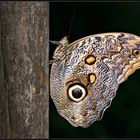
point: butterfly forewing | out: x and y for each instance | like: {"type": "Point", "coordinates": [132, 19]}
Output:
{"type": "Point", "coordinates": [85, 79]}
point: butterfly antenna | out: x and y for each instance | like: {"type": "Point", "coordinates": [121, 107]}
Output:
{"type": "Point", "coordinates": [71, 23]}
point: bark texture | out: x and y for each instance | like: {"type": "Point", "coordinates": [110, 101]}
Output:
{"type": "Point", "coordinates": [24, 49]}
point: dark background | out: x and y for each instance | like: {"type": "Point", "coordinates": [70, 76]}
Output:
{"type": "Point", "coordinates": [122, 119]}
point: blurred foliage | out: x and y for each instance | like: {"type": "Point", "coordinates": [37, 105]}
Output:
{"type": "Point", "coordinates": [122, 119]}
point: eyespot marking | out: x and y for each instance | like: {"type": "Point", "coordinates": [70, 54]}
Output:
{"type": "Point", "coordinates": [136, 52]}
{"type": "Point", "coordinates": [76, 92]}
{"type": "Point", "coordinates": [92, 78]}
{"type": "Point", "coordinates": [90, 60]}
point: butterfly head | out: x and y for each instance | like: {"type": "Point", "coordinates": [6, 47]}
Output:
{"type": "Point", "coordinates": [60, 50]}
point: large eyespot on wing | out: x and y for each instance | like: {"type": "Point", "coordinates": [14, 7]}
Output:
{"type": "Point", "coordinates": [76, 92]}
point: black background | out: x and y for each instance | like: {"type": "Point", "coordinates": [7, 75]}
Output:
{"type": "Point", "coordinates": [122, 119]}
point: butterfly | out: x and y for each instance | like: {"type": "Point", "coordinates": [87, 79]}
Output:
{"type": "Point", "coordinates": [86, 74]}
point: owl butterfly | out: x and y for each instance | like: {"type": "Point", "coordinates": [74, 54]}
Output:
{"type": "Point", "coordinates": [87, 73]}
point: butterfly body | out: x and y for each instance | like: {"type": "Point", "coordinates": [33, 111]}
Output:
{"type": "Point", "coordinates": [85, 79]}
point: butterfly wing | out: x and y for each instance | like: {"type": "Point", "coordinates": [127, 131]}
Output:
{"type": "Point", "coordinates": [84, 82]}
